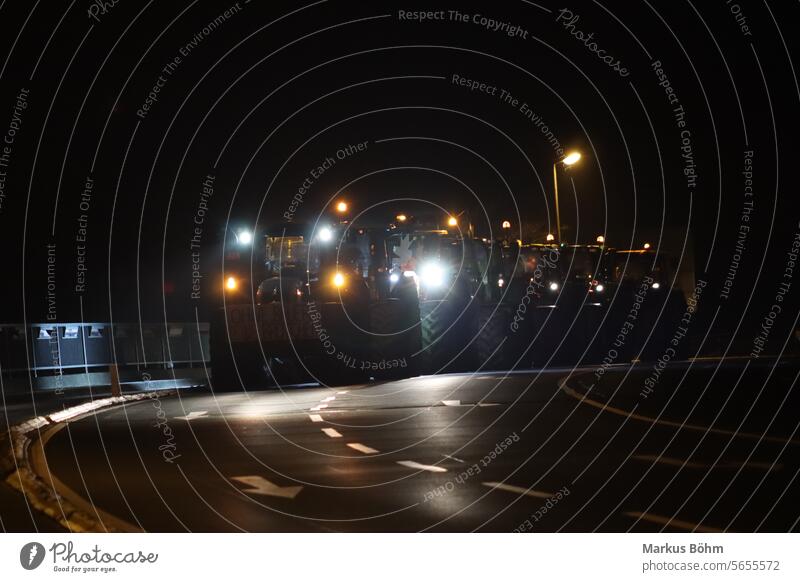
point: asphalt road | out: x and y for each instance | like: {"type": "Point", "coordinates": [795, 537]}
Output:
{"type": "Point", "coordinates": [708, 448]}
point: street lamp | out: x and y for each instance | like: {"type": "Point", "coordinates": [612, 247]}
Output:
{"type": "Point", "coordinates": [506, 225]}
{"type": "Point", "coordinates": [452, 221]}
{"type": "Point", "coordinates": [568, 160]}
{"type": "Point", "coordinates": [341, 207]}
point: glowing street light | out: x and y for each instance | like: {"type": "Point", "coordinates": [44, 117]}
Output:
{"type": "Point", "coordinates": [568, 160]}
{"type": "Point", "coordinates": [506, 224]}
{"type": "Point", "coordinates": [550, 238]}
{"type": "Point", "coordinates": [325, 234]}
{"type": "Point", "coordinates": [401, 218]}
{"type": "Point", "coordinates": [646, 246]}
{"type": "Point", "coordinates": [341, 207]}
{"type": "Point", "coordinates": [244, 237]}
{"type": "Point", "coordinates": [338, 280]}
{"type": "Point", "coordinates": [452, 221]}
{"type": "Point", "coordinates": [231, 283]}
{"type": "Point", "coordinates": [601, 239]}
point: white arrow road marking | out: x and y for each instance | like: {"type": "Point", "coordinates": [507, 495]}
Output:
{"type": "Point", "coordinates": [362, 448]}
{"type": "Point", "coordinates": [332, 432]}
{"type": "Point", "coordinates": [193, 415]}
{"type": "Point", "coordinates": [520, 490]}
{"type": "Point", "coordinates": [482, 404]}
{"type": "Point", "coordinates": [315, 417]}
{"type": "Point", "coordinates": [420, 466]}
{"type": "Point", "coordinates": [451, 402]}
{"type": "Point", "coordinates": [328, 399]}
{"type": "Point", "coordinates": [319, 407]}
{"type": "Point", "coordinates": [260, 486]}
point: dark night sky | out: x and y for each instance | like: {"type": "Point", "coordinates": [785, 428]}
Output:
{"type": "Point", "coordinates": [338, 73]}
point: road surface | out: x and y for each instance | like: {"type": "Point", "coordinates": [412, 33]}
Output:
{"type": "Point", "coordinates": [704, 447]}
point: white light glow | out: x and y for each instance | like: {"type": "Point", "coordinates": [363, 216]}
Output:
{"type": "Point", "coordinates": [432, 275]}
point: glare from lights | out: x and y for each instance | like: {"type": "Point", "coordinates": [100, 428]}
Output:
{"type": "Point", "coordinates": [401, 218]}
{"type": "Point", "coordinates": [601, 239]}
{"type": "Point", "coordinates": [341, 207]}
{"type": "Point", "coordinates": [409, 273]}
{"type": "Point", "coordinates": [571, 158]}
{"type": "Point", "coordinates": [231, 283]}
{"type": "Point", "coordinates": [394, 277]}
{"type": "Point", "coordinates": [553, 286]}
{"type": "Point", "coordinates": [646, 246]}
{"type": "Point", "coordinates": [245, 237]}
{"type": "Point", "coordinates": [550, 238]}
{"type": "Point", "coordinates": [599, 288]}
{"type": "Point", "coordinates": [338, 280]}
{"type": "Point", "coordinates": [656, 285]}
{"type": "Point", "coordinates": [506, 224]}
{"type": "Point", "coordinates": [452, 221]}
{"type": "Point", "coordinates": [325, 234]}
{"type": "Point", "coordinates": [432, 275]}
{"type": "Point", "coordinates": [500, 282]}
{"type": "Point", "coordinates": [298, 292]}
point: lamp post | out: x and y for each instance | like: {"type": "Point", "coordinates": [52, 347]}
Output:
{"type": "Point", "coordinates": [570, 159]}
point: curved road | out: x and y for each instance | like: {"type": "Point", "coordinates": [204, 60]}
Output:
{"type": "Point", "coordinates": [533, 451]}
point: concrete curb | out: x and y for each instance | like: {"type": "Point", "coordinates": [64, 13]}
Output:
{"type": "Point", "coordinates": [46, 493]}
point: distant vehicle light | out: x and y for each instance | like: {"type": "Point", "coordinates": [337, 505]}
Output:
{"type": "Point", "coordinates": [550, 238]}
{"type": "Point", "coordinates": [500, 282]}
{"type": "Point", "coordinates": [401, 218]}
{"type": "Point", "coordinates": [325, 234]}
{"type": "Point", "coordinates": [656, 285]}
{"type": "Point", "coordinates": [409, 273]}
{"type": "Point", "coordinates": [338, 280]}
{"type": "Point", "coordinates": [245, 237]}
{"type": "Point", "coordinates": [298, 292]}
{"type": "Point", "coordinates": [432, 275]}
{"type": "Point", "coordinates": [601, 239]}
{"type": "Point", "coordinates": [553, 286]}
{"type": "Point", "coordinates": [506, 224]}
{"type": "Point", "coordinates": [599, 288]}
{"type": "Point", "coordinates": [646, 246]}
{"type": "Point", "coordinates": [231, 283]}
{"type": "Point", "coordinates": [452, 221]}
{"type": "Point", "coordinates": [394, 277]}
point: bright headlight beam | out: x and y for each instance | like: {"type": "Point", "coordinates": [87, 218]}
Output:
{"type": "Point", "coordinates": [325, 234]}
{"type": "Point", "coordinates": [245, 237]}
{"type": "Point", "coordinates": [432, 275]}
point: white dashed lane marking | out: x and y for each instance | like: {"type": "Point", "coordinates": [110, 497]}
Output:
{"type": "Point", "coordinates": [315, 417]}
{"type": "Point", "coordinates": [362, 448]}
{"type": "Point", "coordinates": [319, 407]}
{"type": "Point", "coordinates": [193, 415]}
{"type": "Point", "coordinates": [518, 490]}
{"type": "Point", "coordinates": [332, 432]}
{"type": "Point", "coordinates": [421, 467]}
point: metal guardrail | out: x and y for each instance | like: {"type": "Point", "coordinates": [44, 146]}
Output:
{"type": "Point", "coordinates": [50, 347]}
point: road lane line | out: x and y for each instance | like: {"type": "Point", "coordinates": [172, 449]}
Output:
{"type": "Point", "coordinates": [328, 399]}
{"type": "Point", "coordinates": [695, 465]}
{"type": "Point", "coordinates": [519, 490]}
{"type": "Point", "coordinates": [420, 466]}
{"type": "Point", "coordinates": [332, 432]}
{"type": "Point", "coordinates": [695, 427]}
{"type": "Point", "coordinates": [362, 448]}
{"type": "Point", "coordinates": [677, 523]}
{"type": "Point", "coordinates": [315, 417]}
{"type": "Point", "coordinates": [318, 407]}
{"type": "Point", "coordinates": [192, 415]}
{"type": "Point", "coordinates": [343, 391]}
{"type": "Point", "coordinates": [456, 459]}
